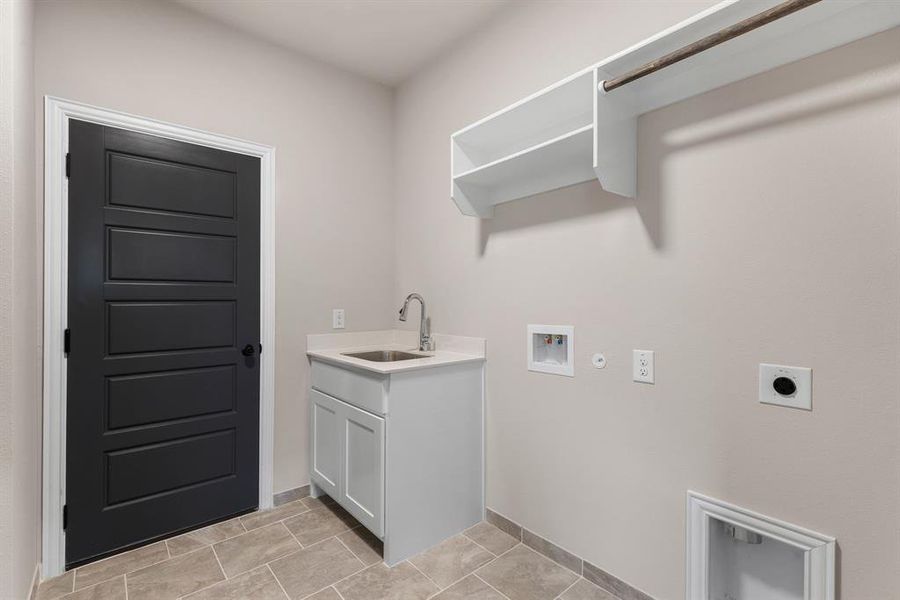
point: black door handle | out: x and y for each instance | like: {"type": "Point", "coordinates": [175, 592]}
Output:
{"type": "Point", "coordinates": [248, 350]}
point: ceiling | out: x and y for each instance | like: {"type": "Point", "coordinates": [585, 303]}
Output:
{"type": "Point", "coordinates": [385, 40]}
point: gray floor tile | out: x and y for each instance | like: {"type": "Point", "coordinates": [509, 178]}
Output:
{"type": "Point", "coordinates": [380, 582]}
{"type": "Point", "coordinates": [523, 574]}
{"type": "Point", "coordinates": [470, 588]}
{"type": "Point", "coordinates": [112, 589]}
{"type": "Point", "coordinates": [317, 525]}
{"type": "Point", "coordinates": [495, 540]}
{"type": "Point", "coordinates": [311, 569]}
{"type": "Point", "coordinates": [585, 590]}
{"type": "Point", "coordinates": [175, 577]}
{"type": "Point", "coordinates": [255, 548]}
{"type": "Point", "coordinates": [258, 584]}
{"type": "Point", "coordinates": [451, 560]}
{"type": "Point", "coordinates": [364, 545]}
{"type": "Point", "coordinates": [56, 586]}
{"type": "Point", "coordinates": [195, 540]}
{"type": "Point", "coordinates": [120, 564]}
{"type": "Point", "coordinates": [273, 515]}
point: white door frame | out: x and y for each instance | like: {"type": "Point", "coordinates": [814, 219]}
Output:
{"type": "Point", "coordinates": [57, 114]}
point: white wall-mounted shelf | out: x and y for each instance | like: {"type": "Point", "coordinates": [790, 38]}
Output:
{"type": "Point", "coordinates": [570, 132]}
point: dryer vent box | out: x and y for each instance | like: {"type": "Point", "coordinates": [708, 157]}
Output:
{"type": "Point", "coordinates": [744, 564]}
{"type": "Point", "coordinates": [551, 349]}
{"type": "Point", "coordinates": [737, 554]}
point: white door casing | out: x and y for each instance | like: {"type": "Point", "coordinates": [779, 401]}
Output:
{"type": "Point", "coordinates": [57, 114]}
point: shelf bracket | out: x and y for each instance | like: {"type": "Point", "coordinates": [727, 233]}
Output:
{"type": "Point", "coordinates": [615, 139]}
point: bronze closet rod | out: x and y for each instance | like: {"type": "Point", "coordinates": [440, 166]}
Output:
{"type": "Point", "coordinates": [749, 24]}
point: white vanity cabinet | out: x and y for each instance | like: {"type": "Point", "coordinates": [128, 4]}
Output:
{"type": "Point", "coordinates": [401, 451]}
{"type": "Point", "coordinates": [348, 458]}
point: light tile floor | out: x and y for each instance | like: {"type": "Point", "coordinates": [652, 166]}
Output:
{"type": "Point", "coordinates": [315, 550]}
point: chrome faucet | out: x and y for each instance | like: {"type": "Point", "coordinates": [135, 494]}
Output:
{"type": "Point", "coordinates": [425, 341]}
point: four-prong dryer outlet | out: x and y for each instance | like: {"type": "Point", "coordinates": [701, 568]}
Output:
{"type": "Point", "coordinates": [785, 386]}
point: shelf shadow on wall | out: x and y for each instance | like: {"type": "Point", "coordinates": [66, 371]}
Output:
{"type": "Point", "coordinates": [573, 202]}
{"type": "Point", "coordinates": [800, 91]}
{"type": "Point", "coordinates": [807, 89]}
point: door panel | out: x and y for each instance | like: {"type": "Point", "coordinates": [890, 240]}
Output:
{"type": "Point", "coordinates": [326, 445]}
{"type": "Point", "coordinates": [145, 183]}
{"type": "Point", "coordinates": [162, 407]}
{"type": "Point", "coordinates": [155, 397]}
{"type": "Point", "coordinates": [362, 488]}
{"type": "Point", "coordinates": [136, 473]}
{"type": "Point", "coordinates": [151, 327]}
{"type": "Point", "coordinates": [178, 256]}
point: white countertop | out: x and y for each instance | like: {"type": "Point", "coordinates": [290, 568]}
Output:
{"type": "Point", "coordinates": [449, 349]}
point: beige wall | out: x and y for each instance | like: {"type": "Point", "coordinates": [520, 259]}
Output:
{"type": "Point", "coordinates": [20, 401]}
{"type": "Point", "coordinates": [766, 230]}
{"type": "Point", "coordinates": [332, 131]}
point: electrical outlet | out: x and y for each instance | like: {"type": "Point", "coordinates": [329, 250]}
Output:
{"type": "Point", "coordinates": [643, 366]}
{"type": "Point", "coordinates": [337, 318]}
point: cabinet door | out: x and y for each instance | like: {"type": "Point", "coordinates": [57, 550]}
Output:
{"type": "Point", "coordinates": [362, 485]}
{"type": "Point", "coordinates": [325, 429]}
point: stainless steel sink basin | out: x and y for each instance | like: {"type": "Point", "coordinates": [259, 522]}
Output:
{"type": "Point", "coordinates": [384, 355]}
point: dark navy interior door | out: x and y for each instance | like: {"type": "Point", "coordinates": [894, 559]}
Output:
{"type": "Point", "coordinates": [163, 364]}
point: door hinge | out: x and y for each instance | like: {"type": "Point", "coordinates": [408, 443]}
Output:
{"type": "Point", "coordinates": [67, 342]}
{"type": "Point", "coordinates": [68, 164]}
{"type": "Point", "coordinates": [65, 516]}
{"type": "Point", "coordinates": [260, 349]}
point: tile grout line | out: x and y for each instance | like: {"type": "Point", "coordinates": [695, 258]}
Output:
{"type": "Point", "coordinates": [38, 595]}
{"type": "Point", "coordinates": [584, 561]}
{"type": "Point", "coordinates": [475, 572]}
{"type": "Point", "coordinates": [494, 554]}
{"type": "Point", "coordinates": [494, 557]}
{"type": "Point", "coordinates": [338, 592]}
{"type": "Point", "coordinates": [291, 516]}
{"type": "Point", "coordinates": [336, 582]}
{"type": "Point", "coordinates": [490, 586]}
{"type": "Point", "coordinates": [567, 589]}
{"type": "Point", "coordinates": [278, 581]}
{"type": "Point", "coordinates": [472, 572]}
{"type": "Point", "coordinates": [211, 546]}
{"type": "Point", "coordinates": [364, 567]}
{"type": "Point", "coordinates": [212, 584]}
{"type": "Point", "coordinates": [125, 575]}
{"type": "Point", "coordinates": [296, 539]}
{"type": "Point", "coordinates": [219, 562]}
{"type": "Point", "coordinates": [260, 564]}
{"type": "Point", "coordinates": [87, 587]}
{"type": "Point", "coordinates": [440, 589]}
{"type": "Point", "coordinates": [77, 569]}
{"type": "Point", "coordinates": [169, 556]}
{"type": "Point", "coordinates": [337, 537]}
